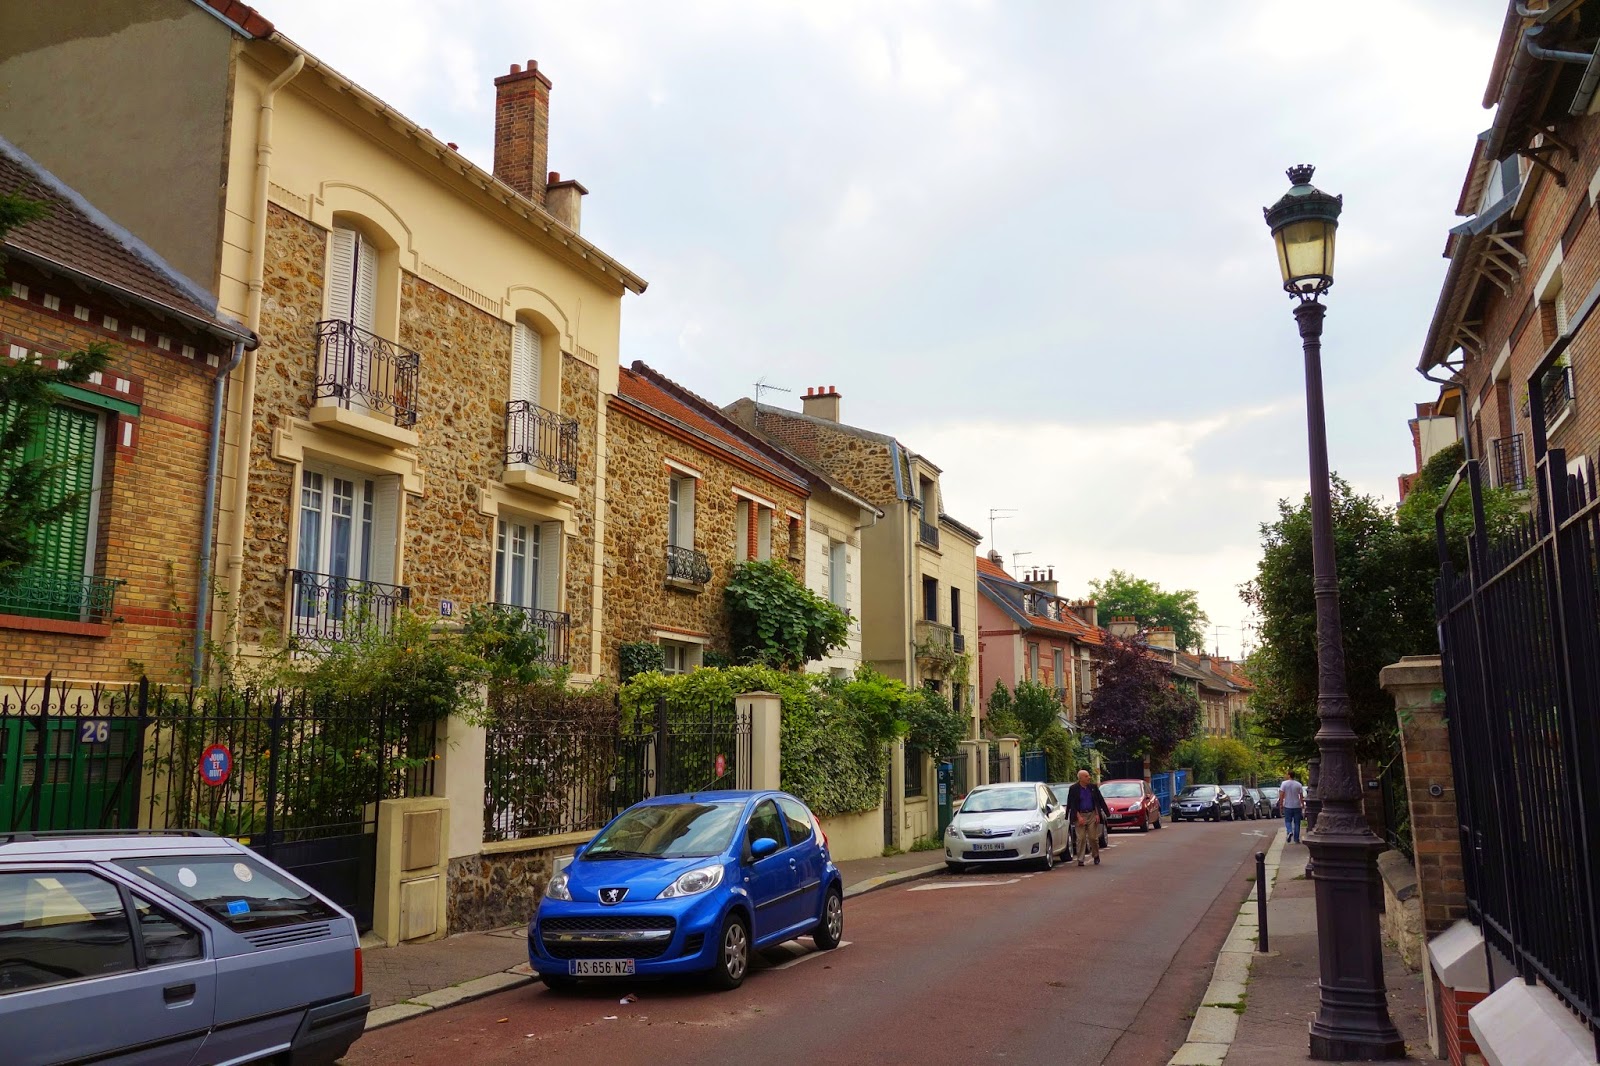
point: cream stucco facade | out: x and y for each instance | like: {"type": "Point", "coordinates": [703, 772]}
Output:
{"type": "Point", "coordinates": [834, 568]}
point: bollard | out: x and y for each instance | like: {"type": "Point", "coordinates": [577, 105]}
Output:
{"type": "Point", "coordinates": [1261, 902]}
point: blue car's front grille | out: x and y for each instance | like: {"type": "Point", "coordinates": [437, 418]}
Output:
{"type": "Point", "coordinates": [604, 928]}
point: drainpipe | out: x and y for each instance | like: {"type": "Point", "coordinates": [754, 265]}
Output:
{"type": "Point", "coordinates": [202, 613]}
{"type": "Point", "coordinates": [247, 378]}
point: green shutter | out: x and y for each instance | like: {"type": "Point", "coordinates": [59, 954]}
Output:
{"type": "Point", "coordinates": [52, 584]}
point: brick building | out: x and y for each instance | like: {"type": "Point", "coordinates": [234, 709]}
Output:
{"type": "Point", "coordinates": [1512, 322]}
{"type": "Point", "coordinates": [112, 587]}
{"type": "Point", "coordinates": [425, 421]}
{"type": "Point", "coordinates": [1026, 632]}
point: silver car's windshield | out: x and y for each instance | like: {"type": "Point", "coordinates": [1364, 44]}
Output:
{"type": "Point", "coordinates": [1000, 799]}
{"type": "Point", "coordinates": [668, 831]}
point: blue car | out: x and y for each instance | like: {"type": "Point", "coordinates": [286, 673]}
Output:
{"type": "Point", "coordinates": [689, 884]}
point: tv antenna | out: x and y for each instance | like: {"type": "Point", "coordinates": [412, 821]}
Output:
{"type": "Point", "coordinates": [762, 384]}
{"type": "Point", "coordinates": [1015, 564]}
{"type": "Point", "coordinates": [998, 514]}
{"type": "Point", "coordinates": [1216, 642]}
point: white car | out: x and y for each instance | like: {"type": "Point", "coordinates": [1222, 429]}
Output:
{"type": "Point", "coordinates": [1016, 822]}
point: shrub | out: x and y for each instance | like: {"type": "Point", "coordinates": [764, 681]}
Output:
{"type": "Point", "coordinates": [774, 619]}
{"type": "Point", "coordinates": [639, 657]}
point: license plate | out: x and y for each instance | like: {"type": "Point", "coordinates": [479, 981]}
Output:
{"type": "Point", "coordinates": [989, 847]}
{"type": "Point", "coordinates": [600, 967]}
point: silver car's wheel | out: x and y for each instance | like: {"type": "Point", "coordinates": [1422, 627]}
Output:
{"type": "Point", "coordinates": [1049, 859]}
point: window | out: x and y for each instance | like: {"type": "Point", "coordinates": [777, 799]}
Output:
{"type": "Point", "coordinates": [57, 583]}
{"type": "Point", "coordinates": [913, 770]}
{"type": "Point", "coordinates": [527, 352]}
{"type": "Point", "coordinates": [237, 890]}
{"type": "Point", "coordinates": [348, 523]}
{"type": "Point", "coordinates": [165, 939]}
{"type": "Point", "coordinates": [752, 530]}
{"type": "Point", "coordinates": [1033, 662]}
{"type": "Point", "coordinates": [958, 696]}
{"type": "Point", "coordinates": [680, 511]}
{"type": "Point", "coordinates": [352, 278]}
{"type": "Point", "coordinates": [796, 819]}
{"type": "Point", "coordinates": [765, 822]}
{"type": "Point", "coordinates": [680, 657]}
{"type": "Point", "coordinates": [955, 609]}
{"type": "Point", "coordinates": [795, 550]}
{"type": "Point", "coordinates": [930, 599]}
{"type": "Point", "coordinates": [58, 927]}
{"type": "Point", "coordinates": [527, 564]}
{"type": "Point", "coordinates": [839, 574]}
{"type": "Point", "coordinates": [1061, 670]}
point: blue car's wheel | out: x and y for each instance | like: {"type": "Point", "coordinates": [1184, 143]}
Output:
{"type": "Point", "coordinates": [830, 930]}
{"type": "Point", "coordinates": [733, 954]}
{"type": "Point", "coordinates": [557, 982]}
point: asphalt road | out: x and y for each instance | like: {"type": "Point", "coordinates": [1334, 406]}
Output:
{"type": "Point", "coordinates": [1081, 965]}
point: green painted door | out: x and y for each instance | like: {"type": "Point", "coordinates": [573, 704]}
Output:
{"type": "Point", "coordinates": [87, 779]}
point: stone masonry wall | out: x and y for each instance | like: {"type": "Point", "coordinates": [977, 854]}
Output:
{"type": "Point", "coordinates": [152, 490]}
{"type": "Point", "coordinates": [863, 465]}
{"type": "Point", "coordinates": [638, 599]}
{"type": "Point", "coordinates": [581, 399]}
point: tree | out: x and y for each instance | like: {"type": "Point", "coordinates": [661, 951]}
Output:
{"type": "Point", "coordinates": [774, 619]}
{"type": "Point", "coordinates": [30, 496]}
{"type": "Point", "coordinates": [1122, 595]}
{"type": "Point", "coordinates": [1136, 708]}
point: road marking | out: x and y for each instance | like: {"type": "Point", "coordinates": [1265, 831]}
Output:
{"type": "Point", "coordinates": [961, 884]}
{"type": "Point", "coordinates": [813, 953]}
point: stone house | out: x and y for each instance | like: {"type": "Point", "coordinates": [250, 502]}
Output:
{"type": "Point", "coordinates": [1027, 632]}
{"type": "Point", "coordinates": [114, 585]}
{"type": "Point", "coordinates": [424, 423]}
{"type": "Point", "coordinates": [1512, 321]}
{"type": "Point", "coordinates": [919, 572]}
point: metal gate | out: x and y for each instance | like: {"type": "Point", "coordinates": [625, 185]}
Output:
{"type": "Point", "coordinates": [1035, 766]}
{"type": "Point", "coordinates": [69, 757]}
{"type": "Point", "coordinates": [701, 749]}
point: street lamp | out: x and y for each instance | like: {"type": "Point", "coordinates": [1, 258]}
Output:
{"type": "Point", "coordinates": [1353, 1016]}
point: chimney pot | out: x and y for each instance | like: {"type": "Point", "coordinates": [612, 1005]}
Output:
{"type": "Point", "coordinates": [821, 403]}
{"type": "Point", "coordinates": [516, 68]}
{"type": "Point", "coordinates": [454, 147]}
{"type": "Point", "coordinates": [555, 176]}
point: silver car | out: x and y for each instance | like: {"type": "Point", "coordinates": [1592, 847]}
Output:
{"type": "Point", "coordinates": [169, 948]}
{"type": "Point", "coordinates": [1006, 823]}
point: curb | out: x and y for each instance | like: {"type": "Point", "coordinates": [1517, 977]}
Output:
{"type": "Point", "coordinates": [520, 975]}
{"type": "Point", "coordinates": [1216, 1020]}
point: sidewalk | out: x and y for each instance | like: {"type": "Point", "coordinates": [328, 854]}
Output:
{"type": "Point", "coordinates": [1258, 1007]}
{"type": "Point", "coordinates": [414, 979]}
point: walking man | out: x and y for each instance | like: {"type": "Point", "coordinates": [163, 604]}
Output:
{"type": "Point", "coordinates": [1292, 798]}
{"type": "Point", "coordinates": [1085, 806]}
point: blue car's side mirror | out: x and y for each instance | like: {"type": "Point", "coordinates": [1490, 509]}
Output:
{"type": "Point", "coordinates": [762, 847]}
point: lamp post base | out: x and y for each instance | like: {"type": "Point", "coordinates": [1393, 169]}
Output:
{"type": "Point", "coordinates": [1352, 1023]}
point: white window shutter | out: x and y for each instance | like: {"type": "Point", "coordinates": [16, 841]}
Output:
{"type": "Point", "coordinates": [763, 533]}
{"type": "Point", "coordinates": [550, 544]}
{"type": "Point", "coordinates": [385, 528]}
{"type": "Point", "coordinates": [365, 303]}
{"type": "Point", "coordinates": [741, 530]}
{"type": "Point", "coordinates": [526, 347]}
{"type": "Point", "coordinates": [1561, 313]}
{"type": "Point", "coordinates": [341, 275]}
{"type": "Point", "coordinates": [686, 513]}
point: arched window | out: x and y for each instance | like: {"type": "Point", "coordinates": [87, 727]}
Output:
{"type": "Point", "coordinates": [527, 359]}
{"type": "Point", "coordinates": [353, 278]}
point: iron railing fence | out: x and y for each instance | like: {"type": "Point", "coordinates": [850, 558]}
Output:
{"type": "Point", "coordinates": [1556, 393]}
{"type": "Point", "coordinates": [1520, 630]}
{"type": "Point", "coordinates": [558, 761]}
{"type": "Point", "coordinates": [363, 372]}
{"type": "Point", "coordinates": [1510, 467]}
{"type": "Point", "coordinates": [59, 594]}
{"type": "Point", "coordinates": [928, 533]}
{"type": "Point", "coordinates": [555, 628]}
{"type": "Point", "coordinates": [686, 564]}
{"type": "Point", "coordinates": [541, 438]}
{"type": "Point", "coordinates": [327, 608]}
{"type": "Point", "coordinates": [701, 749]}
{"type": "Point", "coordinates": [1396, 805]}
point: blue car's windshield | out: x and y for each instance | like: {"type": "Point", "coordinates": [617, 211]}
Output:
{"type": "Point", "coordinates": [668, 831]}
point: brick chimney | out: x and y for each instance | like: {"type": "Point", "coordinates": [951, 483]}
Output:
{"type": "Point", "coordinates": [1043, 580]}
{"type": "Point", "coordinates": [522, 130]}
{"type": "Point", "coordinates": [821, 402]}
{"type": "Point", "coordinates": [564, 200]}
{"type": "Point", "coordinates": [1125, 626]}
{"type": "Point", "coordinates": [1086, 611]}
{"type": "Point", "coordinates": [1163, 637]}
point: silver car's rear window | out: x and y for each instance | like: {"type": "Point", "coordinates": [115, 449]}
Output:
{"type": "Point", "coordinates": [235, 889]}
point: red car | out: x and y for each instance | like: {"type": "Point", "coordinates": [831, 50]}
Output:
{"type": "Point", "coordinates": [1132, 804]}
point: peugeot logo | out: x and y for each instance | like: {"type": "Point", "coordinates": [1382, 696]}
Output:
{"type": "Point", "coordinates": [612, 895]}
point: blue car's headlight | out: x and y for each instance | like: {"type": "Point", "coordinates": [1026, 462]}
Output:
{"type": "Point", "coordinates": [557, 887]}
{"type": "Point", "coordinates": [694, 882]}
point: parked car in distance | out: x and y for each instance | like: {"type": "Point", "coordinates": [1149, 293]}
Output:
{"type": "Point", "coordinates": [1133, 805]}
{"type": "Point", "coordinates": [169, 947]}
{"type": "Point", "coordinates": [1205, 802]}
{"type": "Point", "coordinates": [1243, 805]}
{"type": "Point", "coordinates": [1017, 821]}
{"type": "Point", "coordinates": [1259, 807]}
{"type": "Point", "coordinates": [1059, 790]}
{"type": "Point", "coordinates": [689, 884]}
{"type": "Point", "coordinates": [1269, 795]}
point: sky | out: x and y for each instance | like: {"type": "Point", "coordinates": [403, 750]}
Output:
{"type": "Point", "coordinates": [1023, 237]}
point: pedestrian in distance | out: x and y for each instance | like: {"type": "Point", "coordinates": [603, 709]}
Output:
{"type": "Point", "coordinates": [1085, 807]}
{"type": "Point", "coordinates": [1292, 798]}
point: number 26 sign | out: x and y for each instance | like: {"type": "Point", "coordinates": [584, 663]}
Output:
{"type": "Point", "coordinates": [94, 731]}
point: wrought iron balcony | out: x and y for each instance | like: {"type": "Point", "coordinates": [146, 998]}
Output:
{"type": "Point", "coordinates": [327, 608]}
{"type": "Point", "coordinates": [58, 594]}
{"type": "Point", "coordinates": [543, 439]}
{"type": "Point", "coordinates": [1557, 393]}
{"type": "Point", "coordinates": [363, 372]}
{"type": "Point", "coordinates": [928, 533]}
{"type": "Point", "coordinates": [959, 642]}
{"type": "Point", "coordinates": [687, 565]}
{"type": "Point", "coordinates": [1510, 472]}
{"type": "Point", "coordinates": [556, 626]}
